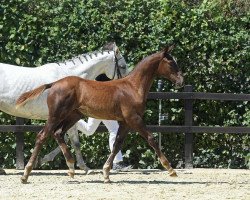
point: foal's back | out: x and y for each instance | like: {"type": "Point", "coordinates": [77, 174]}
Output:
{"type": "Point", "coordinates": [93, 98]}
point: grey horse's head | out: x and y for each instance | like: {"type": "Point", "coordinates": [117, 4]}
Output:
{"type": "Point", "coordinates": [121, 69]}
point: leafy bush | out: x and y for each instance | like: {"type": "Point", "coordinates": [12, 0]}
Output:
{"type": "Point", "coordinates": [212, 47]}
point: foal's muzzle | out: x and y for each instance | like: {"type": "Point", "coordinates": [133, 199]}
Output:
{"type": "Point", "coordinates": [179, 81]}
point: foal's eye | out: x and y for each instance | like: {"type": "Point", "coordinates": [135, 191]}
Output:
{"type": "Point", "coordinates": [165, 59]}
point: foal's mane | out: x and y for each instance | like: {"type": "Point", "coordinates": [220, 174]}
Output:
{"type": "Point", "coordinates": [147, 58]}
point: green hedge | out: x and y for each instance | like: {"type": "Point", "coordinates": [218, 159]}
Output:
{"type": "Point", "coordinates": [212, 47]}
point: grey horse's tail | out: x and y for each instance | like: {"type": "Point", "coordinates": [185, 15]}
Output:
{"type": "Point", "coordinates": [33, 94]}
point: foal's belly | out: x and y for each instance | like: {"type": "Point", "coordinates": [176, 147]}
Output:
{"type": "Point", "coordinates": [99, 114]}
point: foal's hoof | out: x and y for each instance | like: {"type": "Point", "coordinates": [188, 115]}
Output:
{"type": "Point", "coordinates": [107, 180]}
{"type": "Point", "coordinates": [173, 174]}
{"type": "Point", "coordinates": [71, 174]}
{"type": "Point", "coordinates": [23, 180]}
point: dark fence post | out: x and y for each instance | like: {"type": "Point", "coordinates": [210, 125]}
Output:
{"type": "Point", "coordinates": [188, 106]}
{"type": "Point", "coordinates": [19, 145]}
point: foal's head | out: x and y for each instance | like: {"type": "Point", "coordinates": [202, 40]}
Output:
{"type": "Point", "coordinates": [169, 69]}
{"type": "Point", "coordinates": [120, 69]}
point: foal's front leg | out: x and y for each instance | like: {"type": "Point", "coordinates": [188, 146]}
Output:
{"type": "Point", "coordinates": [137, 124]}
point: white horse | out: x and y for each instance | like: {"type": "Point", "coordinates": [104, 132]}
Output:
{"type": "Point", "coordinates": [16, 80]}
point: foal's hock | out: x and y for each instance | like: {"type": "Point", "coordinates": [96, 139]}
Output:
{"type": "Point", "coordinates": [124, 100]}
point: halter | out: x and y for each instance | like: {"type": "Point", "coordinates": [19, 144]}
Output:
{"type": "Point", "coordinates": [117, 68]}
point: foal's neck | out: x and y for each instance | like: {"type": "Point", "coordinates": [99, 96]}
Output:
{"type": "Point", "coordinates": [143, 75]}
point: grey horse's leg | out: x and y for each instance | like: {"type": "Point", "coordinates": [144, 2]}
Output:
{"type": "Point", "coordinates": [74, 139]}
{"type": "Point", "coordinates": [2, 172]}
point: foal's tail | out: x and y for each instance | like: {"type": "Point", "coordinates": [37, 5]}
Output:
{"type": "Point", "coordinates": [33, 94]}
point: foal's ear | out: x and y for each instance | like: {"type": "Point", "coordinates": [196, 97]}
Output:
{"type": "Point", "coordinates": [171, 48]}
{"type": "Point", "coordinates": [168, 49]}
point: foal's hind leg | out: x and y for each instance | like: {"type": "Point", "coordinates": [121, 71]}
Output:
{"type": "Point", "coordinates": [64, 126]}
{"type": "Point", "coordinates": [40, 139]}
{"type": "Point", "coordinates": [137, 124]}
{"type": "Point", "coordinates": [51, 156]}
{"type": "Point", "coordinates": [121, 135]}
{"type": "Point", "coordinates": [74, 139]}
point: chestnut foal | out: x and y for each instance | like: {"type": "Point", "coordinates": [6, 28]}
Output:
{"type": "Point", "coordinates": [123, 100]}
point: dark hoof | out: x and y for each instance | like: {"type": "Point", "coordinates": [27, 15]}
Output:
{"type": "Point", "coordinates": [2, 172]}
{"type": "Point", "coordinates": [107, 181]}
{"type": "Point", "coordinates": [23, 180]}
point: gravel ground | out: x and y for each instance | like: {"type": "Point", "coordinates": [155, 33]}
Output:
{"type": "Point", "coordinates": [203, 184]}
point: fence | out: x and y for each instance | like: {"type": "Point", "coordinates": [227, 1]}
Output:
{"type": "Point", "coordinates": [188, 96]}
